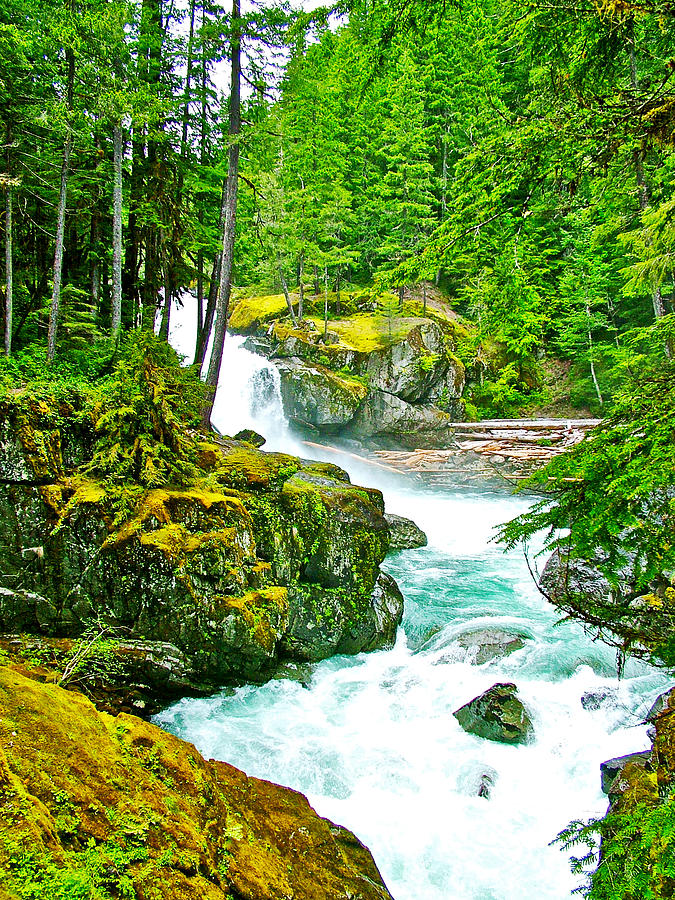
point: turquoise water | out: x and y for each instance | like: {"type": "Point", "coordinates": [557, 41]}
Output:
{"type": "Point", "coordinates": [372, 740]}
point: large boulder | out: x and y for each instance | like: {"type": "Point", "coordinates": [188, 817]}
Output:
{"type": "Point", "coordinates": [384, 413]}
{"type": "Point", "coordinates": [410, 368]}
{"type": "Point", "coordinates": [101, 803]}
{"type": "Point", "coordinates": [314, 395]}
{"type": "Point", "coordinates": [497, 715]}
{"type": "Point", "coordinates": [264, 556]}
{"type": "Point", "coordinates": [404, 534]}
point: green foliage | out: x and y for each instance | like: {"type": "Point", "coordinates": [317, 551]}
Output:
{"type": "Point", "coordinates": [92, 657]}
{"type": "Point", "coordinates": [610, 501]}
{"type": "Point", "coordinates": [148, 407]}
{"type": "Point", "coordinates": [638, 853]}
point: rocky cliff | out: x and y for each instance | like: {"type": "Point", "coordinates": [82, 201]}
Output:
{"type": "Point", "coordinates": [403, 383]}
{"type": "Point", "coordinates": [93, 806]}
{"type": "Point", "coordinates": [247, 559]}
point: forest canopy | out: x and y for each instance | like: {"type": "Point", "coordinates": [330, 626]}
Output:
{"type": "Point", "coordinates": [519, 158]}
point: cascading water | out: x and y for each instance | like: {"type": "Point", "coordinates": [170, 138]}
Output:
{"type": "Point", "coordinates": [372, 740]}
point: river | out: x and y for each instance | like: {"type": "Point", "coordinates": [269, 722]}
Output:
{"type": "Point", "coordinates": [371, 740]}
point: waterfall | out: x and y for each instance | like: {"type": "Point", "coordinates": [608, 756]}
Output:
{"type": "Point", "coordinates": [372, 740]}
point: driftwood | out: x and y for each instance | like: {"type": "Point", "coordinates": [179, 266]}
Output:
{"type": "Point", "coordinates": [509, 448]}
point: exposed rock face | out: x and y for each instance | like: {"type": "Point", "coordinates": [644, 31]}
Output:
{"type": "Point", "coordinates": [270, 557]}
{"type": "Point", "coordinates": [497, 715]}
{"type": "Point", "coordinates": [98, 801]}
{"type": "Point", "coordinates": [412, 367]}
{"type": "Point", "coordinates": [405, 535]}
{"type": "Point", "coordinates": [489, 643]}
{"type": "Point", "coordinates": [563, 577]}
{"type": "Point", "coordinates": [412, 385]}
{"type": "Point", "coordinates": [383, 413]}
{"type": "Point", "coordinates": [314, 395]}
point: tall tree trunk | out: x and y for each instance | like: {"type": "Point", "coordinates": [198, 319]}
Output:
{"type": "Point", "coordinates": [286, 292]}
{"type": "Point", "coordinates": [229, 230]}
{"type": "Point", "coordinates": [338, 298]}
{"type": "Point", "coordinates": [9, 272]}
{"type": "Point", "coordinates": [325, 302]}
{"type": "Point", "coordinates": [168, 297]}
{"type": "Point", "coordinates": [61, 215]}
{"type": "Point", "coordinates": [204, 336]}
{"type": "Point", "coordinates": [642, 186]}
{"type": "Point", "coordinates": [424, 298]}
{"type": "Point", "coordinates": [117, 231]}
{"type": "Point", "coordinates": [95, 269]}
{"type": "Point", "coordinates": [301, 286]}
{"type": "Point", "coordinates": [188, 82]}
{"type": "Point", "coordinates": [200, 212]}
{"type": "Point", "coordinates": [590, 355]}
{"type": "Point", "coordinates": [316, 281]}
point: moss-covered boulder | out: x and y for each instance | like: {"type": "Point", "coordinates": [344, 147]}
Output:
{"type": "Point", "coordinates": [497, 715]}
{"type": "Point", "coordinates": [96, 806]}
{"type": "Point", "coordinates": [259, 556]}
{"type": "Point", "coordinates": [314, 395]}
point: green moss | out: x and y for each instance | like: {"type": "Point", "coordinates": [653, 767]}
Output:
{"type": "Point", "coordinates": [93, 808]}
{"type": "Point", "coordinates": [251, 469]}
{"type": "Point", "coordinates": [250, 312]}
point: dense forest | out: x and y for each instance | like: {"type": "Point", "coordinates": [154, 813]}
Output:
{"type": "Point", "coordinates": [516, 159]}
{"type": "Point", "coordinates": [520, 157]}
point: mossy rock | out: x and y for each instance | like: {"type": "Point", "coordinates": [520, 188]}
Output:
{"type": "Point", "coordinates": [111, 805]}
{"type": "Point", "coordinates": [249, 313]}
{"type": "Point", "coordinates": [314, 395]}
{"type": "Point", "coordinates": [218, 568]}
{"type": "Point", "coordinates": [497, 715]}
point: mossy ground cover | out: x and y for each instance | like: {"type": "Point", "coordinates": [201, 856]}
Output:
{"type": "Point", "coordinates": [95, 807]}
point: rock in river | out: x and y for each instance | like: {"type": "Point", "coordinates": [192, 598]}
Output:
{"type": "Point", "coordinates": [497, 715]}
{"type": "Point", "coordinates": [405, 535]}
{"type": "Point", "coordinates": [489, 643]}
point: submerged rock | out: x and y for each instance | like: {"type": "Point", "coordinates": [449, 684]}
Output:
{"type": "Point", "coordinates": [405, 535]}
{"type": "Point", "coordinates": [477, 780]}
{"type": "Point", "coordinates": [488, 644]}
{"type": "Point", "coordinates": [594, 700]}
{"type": "Point", "coordinates": [95, 801]}
{"type": "Point", "coordinates": [497, 715]}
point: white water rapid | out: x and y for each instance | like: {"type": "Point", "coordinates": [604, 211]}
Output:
{"type": "Point", "coordinates": [372, 740]}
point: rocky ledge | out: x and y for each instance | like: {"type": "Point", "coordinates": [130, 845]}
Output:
{"type": "Point", "coordinates": [256, 558]}
{"type": "Point", "coordinates": [92, 805]}
{"type": "Point", "coordinates": [410, 383]}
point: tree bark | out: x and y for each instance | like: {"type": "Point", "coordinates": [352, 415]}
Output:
{"type": "Point", "coordinates": [643, 189]}
{"type": "Point", "coordinates": [58, 252]}
{"type": "Point", "coordinates": [9, 272]}
{"type": "Point", "coordinates": [117, 231]}
{"type": "Point", "coordinates": [325, 302]}
{"type": "Point", "coordinates": [61, 217]}
{"type": "Point", "coordinates": [229, 229]}
{"type": "Point", "coordinates": [204, 335]}
{"type": "Point", "coordinates": [286, 292]}
{"type": "Point", "coordinates": [301, 286]}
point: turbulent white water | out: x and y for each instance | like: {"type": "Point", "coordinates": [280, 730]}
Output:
{"type": "Point", "coordinates": [372, 740]}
